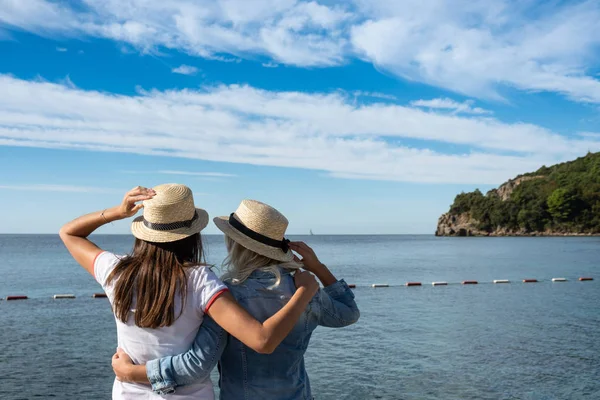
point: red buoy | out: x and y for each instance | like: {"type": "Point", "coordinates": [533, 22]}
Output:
{"type": "Point", "coordinates": [529, 280]}
{"type": "Point", "coordinates": [99, 295]}
{"type": "Point", "coordinates": [16, 297]}
{"type": "Point", "coordinates": [470, 282]}
{"type": "Point", "coordinates": [352, 286]}
{"type": "Point", "coordinates": [586, 279]}
{"type": "Point", "coordinates": [413, 283]}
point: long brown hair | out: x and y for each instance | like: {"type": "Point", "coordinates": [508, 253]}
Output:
{"type": "Point", "coordinates": [155, 273]}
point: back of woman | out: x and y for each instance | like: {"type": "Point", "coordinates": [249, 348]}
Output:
{"type": "Point", "coordinates": [144, 344]}
{"type": "Point", "coordinates": [259, 265]}
{"type": "Point", "coordinates": [280, 375]}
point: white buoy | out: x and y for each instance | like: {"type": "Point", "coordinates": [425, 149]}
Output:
{"type": "Point", "coordinates": [380, 285]}
{"type": "Point", "coordinates": [64, 296]}
{"type": "Point", "coordinates": [559, 279]}
{"type": "Point", "coordinates": [439, 283]}
{"type": "Point", "coordinates": [501, 281]}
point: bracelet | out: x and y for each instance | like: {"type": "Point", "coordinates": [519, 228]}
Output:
{"type": "Point", "coordinates": [104, 218]}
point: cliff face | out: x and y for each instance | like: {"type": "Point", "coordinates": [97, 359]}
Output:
{"type": "Point", "coordinates": [561, 200]}
{"type": "Point", "coordinates": [463, 224]}
{"type": "Point", "coordinates": [505, 190]}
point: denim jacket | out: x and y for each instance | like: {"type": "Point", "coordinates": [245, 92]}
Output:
{"type": "Point", "coordinates": [244, 373]}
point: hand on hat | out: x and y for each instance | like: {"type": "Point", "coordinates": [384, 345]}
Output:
{"type": "Point", "coordinates": [309, 258]}
{"type": "Point", "coordinates": [128, 207]}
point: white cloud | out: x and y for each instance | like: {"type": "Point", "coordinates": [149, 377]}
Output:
{"type": "Point", "coordinates": [242, 124]}
{"type": "Point", "coordinates": [185, 70]}
{"type": "Point", "coordinates": [58, 188]}
{"type": "Point", "coordinates": [465, 107]}
{"type": "Point", "coordinates": [289, 31]}
{"type": "Point", "coordinates": [191, 173]}
{"type": "Point", "coordinates": [375, 95]}
{"type": "Point", "coordinates": [270, 65]}
{"type": "Point", "coordinates": [61, 49]}
{"type": "Point", "coordinates": [473, 47]}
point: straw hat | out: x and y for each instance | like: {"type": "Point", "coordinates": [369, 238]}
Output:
{"type": "Point", "coordinates": [258, 227]}
{"type": "Point", "coordinates": [169, 216]}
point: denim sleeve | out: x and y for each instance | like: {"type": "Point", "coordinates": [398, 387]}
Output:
{"type": "Point", "coordinates": [335, 306]}
{"type": "Point", "coordinates": [166, 373]}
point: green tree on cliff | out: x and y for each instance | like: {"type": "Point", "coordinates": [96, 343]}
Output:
{"type": "Point", "coordinates": [564, 197]}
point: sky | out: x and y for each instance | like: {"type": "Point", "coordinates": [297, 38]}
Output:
{"type": "Point", "coordinates": [350, 117]}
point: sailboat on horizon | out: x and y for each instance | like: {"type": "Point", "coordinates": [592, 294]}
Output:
{"type": "Point", "coordinates": [311, 232]}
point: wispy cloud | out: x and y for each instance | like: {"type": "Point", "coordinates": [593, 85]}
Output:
{"type": "Point", "coordinates": [189, 173]}
{"type": "Point", "coordinates": [184, 173]}
{"type": "Point", "coordinates": [185, 70]}
{"type": "Point", "coordinates": [61, 49]}
{"type": "Point", "coordinates": [375, 95]}
{"type": "Point", "coordinates": [451, 105]}
{"type": "Point", "coordinates": [59, 188]}
{"type": "Point", "coordinates": [270, 64]}
{"type": "Point", "coordinates": [467, 46]}
{"type": "Point", "coordinates": [319, 131]}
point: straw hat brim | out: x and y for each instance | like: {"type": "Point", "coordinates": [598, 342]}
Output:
{"type": "Point", "coordinates": [260, 248]}
{"type": "Point", "coordinates": [141, 231]}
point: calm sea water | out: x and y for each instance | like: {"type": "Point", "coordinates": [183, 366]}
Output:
{"type": "Point", "coordinates": [486, 341]}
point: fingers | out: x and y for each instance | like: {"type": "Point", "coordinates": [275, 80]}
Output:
{"type": "Point", "coordinates": [137, 208]}
{"type": "Point", "coordinates": [296, 246]}
{"type": "Point", "coordinates": [141, 197]}
{"type": "Point", "coordinates": [299, 245]}
{"type": "Point", "coordinates": [301, 248]}
{"type": "Point", "coordinates": [140, 190]}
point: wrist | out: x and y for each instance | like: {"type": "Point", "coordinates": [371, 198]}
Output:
{"type": "Point", "coordinates": [316, 267]}
{"type": "Point", "coordinates": [304, 293]}
{"type": "Point", "coordinates": [130, 373]}
{"type": "Point", "coordinates": [112, 214]}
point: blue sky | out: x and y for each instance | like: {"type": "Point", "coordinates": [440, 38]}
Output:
{"type": "Point", "coordinates": [349, 117]}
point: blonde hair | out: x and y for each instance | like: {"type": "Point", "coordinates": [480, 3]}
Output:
{"type": "Point", "coordinates": [241, 262]}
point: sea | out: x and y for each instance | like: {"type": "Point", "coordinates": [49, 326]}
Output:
{"type": "Point", "coordinates": [485, 341]}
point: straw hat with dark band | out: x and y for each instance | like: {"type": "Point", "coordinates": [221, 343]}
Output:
{"type": "Point", "coordinates": [258, 227]}
{"type": "Point", "coordinates": [169, 216]}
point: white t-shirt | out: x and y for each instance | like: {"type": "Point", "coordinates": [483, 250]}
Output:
{"type": "Point", "coordinates": [144, 344]}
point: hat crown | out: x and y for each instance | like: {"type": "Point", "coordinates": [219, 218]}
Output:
{"type": "Point", "coordinates": [262, 218]}
{"type": "Point", "coordinates": [172, 203]}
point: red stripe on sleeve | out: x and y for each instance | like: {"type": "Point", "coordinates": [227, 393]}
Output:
{"type": "Point", "coordinates": [215, 297]}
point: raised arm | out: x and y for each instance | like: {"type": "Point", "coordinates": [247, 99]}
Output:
{"type": "Point", "coordinates": [334, 305]}
{"type": "Point", "coordinates": [74, 234]}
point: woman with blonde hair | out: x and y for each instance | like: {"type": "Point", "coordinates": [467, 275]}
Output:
{"type": "Point", "coordinates": [259, 268]}
{"type": "Point", "coordinates": [161, 292]}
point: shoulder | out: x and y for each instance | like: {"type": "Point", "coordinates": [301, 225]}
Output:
{"type": "Point", "coordinates": [200, 271]}
{"type": "Point", "coordinates": [202, 275]}
{"type": "Point", "coordinates": [104, 263]}
{"type": "Point", "coordinates": [205, 285]}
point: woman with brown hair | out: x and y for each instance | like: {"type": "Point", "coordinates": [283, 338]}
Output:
{"type": "Point", "coordinates": [162, 290]}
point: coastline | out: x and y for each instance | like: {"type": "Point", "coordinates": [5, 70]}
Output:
{"type": "Point", "coordinates": [519, 234]}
